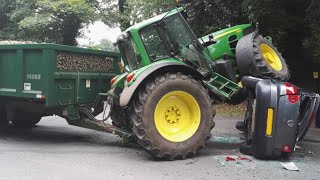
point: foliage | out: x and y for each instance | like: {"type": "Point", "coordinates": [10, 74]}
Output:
{"type": "Point", "coordinates": [105, 45]}
{"type": "Point", "coordinates": [57, 21]}
{"type": "Point", "coordinates": [293, 24]}
{"type": "Point", "coordinates": [128, 12]}
{"type": "Point", "coordinates": [7, 29]}
{"type": "Point", "coordinates": [312, 36]}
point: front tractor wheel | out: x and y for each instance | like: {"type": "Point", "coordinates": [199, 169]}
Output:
{"type": "Point", "coordinates": [269, 60]}
{"type": "Point", "coordinates": [257, 57]}
{"type": "Point", "coordinates": [172, 116]}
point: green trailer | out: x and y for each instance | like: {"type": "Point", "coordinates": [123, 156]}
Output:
{"type": "Point", "coordinates": [45, 79]}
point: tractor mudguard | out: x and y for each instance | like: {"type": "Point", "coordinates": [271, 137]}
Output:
{"type": "Point", "coordinates": [128, 91]}
{"type": "Point", "coordinates": [119, 81]}
{"type": "Point", "coordinates": [244, 51]}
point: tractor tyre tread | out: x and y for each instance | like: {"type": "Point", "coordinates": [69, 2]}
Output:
{"type": "Point", "coordinates": [264, 69]}
{"type": "Point", "coordinates": [139, 128]}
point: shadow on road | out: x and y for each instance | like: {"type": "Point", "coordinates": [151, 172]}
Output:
{"type": "Point", "coordinates": [65, 135]}
{"type": "Point", "coordinates": [61, 136]}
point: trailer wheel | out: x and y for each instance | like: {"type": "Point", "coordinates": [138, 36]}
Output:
{"type": "Point", "coordinates": [172, 116]}
{"type": "Point", "coordinates": [25, 119]}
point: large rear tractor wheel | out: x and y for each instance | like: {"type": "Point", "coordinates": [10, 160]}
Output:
{"type": "Point", "coordinates": [257, 57]}
{"type": "Point", "coordinates": [25, 119]}
{"type": "Point", "coordinates": [172, 116]}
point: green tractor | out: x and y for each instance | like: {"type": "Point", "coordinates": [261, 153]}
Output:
{"type": "Point", "coordinates": [172, 79]}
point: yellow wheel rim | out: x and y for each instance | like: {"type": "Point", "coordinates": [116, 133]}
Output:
{"type": "Point", "coordinates": [177, 116]}
{"type": "Point", "coordinates": [271, 57]}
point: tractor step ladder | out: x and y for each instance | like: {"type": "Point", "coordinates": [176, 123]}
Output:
{"type": "Point", "coordinates": [221, 85]}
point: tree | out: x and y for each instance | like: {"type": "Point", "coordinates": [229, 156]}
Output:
{"type": "Point", "coordinates": [128, 12]}
{"type": "Point", "coordinates": [7, 28]}
{"type": "Point", "coordinates": [105, 45]}
{"type": "Point", "coordinates": [57, 21]}
{"type": "Point", "coordinates": [312, 23]}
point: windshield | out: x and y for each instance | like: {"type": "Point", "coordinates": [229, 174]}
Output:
{"type": "Point", "coordinates": [156, 45]}
{"type": "Point", "coordinates": [172, 36]}
{"type": "Point", "coordinates": [178, 31]}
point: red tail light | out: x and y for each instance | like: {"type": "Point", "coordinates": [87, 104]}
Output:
{"type": "Point", "coordinates": [293, 98]}
{"type": "Point", "coordinates": [113, 80]}
{"type": "Point", "coordinates": [129, 77]}
{"type": "Point", "coordinates": [291, 89]}
{"type": "Point", "coordinates": [292, 92]}
{"type": "Point", "coordinates": [286, 148]}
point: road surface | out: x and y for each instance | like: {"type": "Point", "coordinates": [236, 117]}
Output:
{"type": "Point", "coordinates": [55, 150]}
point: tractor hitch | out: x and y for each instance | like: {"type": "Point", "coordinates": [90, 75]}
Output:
{"type": "Point", "coordinates": [100, 122]}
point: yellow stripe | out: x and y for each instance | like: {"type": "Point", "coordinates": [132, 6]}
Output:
{"type": "Point", "coordinates": [228, 32]}
{"type": "Point", "coordinates": [269, 122]}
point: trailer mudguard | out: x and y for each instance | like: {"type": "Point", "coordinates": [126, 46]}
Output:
{"type": "Point", "coordinates": [177, 66]}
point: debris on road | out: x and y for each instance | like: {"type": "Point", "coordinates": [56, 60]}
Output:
{"type": "Point", "coordinates": [222, 163]}
{"type": "Point", "coordinates": [238, 159]}
{"type": "Point", "coordinates": [290, 166]}
{"type": "Point", "coordinates": [227, 140]}
{"type": "Point", "coordinates": [229, 158]}
{"type": "Point", "coordinates": [310, 152]}
{"type": "Point", "coordinates": [244, 158]}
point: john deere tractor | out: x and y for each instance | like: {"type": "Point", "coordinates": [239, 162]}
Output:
{"type": "Point", "coordinates": [172, 80]}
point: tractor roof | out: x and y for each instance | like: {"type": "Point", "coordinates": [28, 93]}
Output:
{"type": "Point", "coordinates": [153, 20]}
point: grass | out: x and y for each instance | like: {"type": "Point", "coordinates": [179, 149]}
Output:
{"type": "Point", "coordinates": [231, 110]}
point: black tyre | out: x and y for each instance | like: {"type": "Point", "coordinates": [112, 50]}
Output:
{"type": "Point", "coordinates": [257, 57]}
{"type": "Point", "coordinates": [172, 116]}
{"type": "Point", "coordinates": [25, 119]}
{"type": "Point", "coordinates": [120, 118]}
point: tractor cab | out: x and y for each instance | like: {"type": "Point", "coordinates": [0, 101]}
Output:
{"type": "Point", "coordinates": [162, 37]}
{"type": "Point", "coordinates": [168, 38]}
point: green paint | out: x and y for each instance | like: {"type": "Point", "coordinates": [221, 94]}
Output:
{"type": "Point", "coordinates": [170, 30]}
{"type": "Point", "coordinates": [139, 71]}
{"type": "Point", "coordinates": [120, 80]}
{"type": "Point", "coordinates": [222, 46]}
{"type": "Point", "coordinates": [30, 71]}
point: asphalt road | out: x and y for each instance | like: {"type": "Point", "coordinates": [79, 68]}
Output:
{"type": "Point", "coordinates": [55, 150]}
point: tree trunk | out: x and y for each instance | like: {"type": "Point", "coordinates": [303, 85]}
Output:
{"type": "Point", "coordinates": [71, 31]}
{"type": "Point", "coordinates": [124, 22]}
